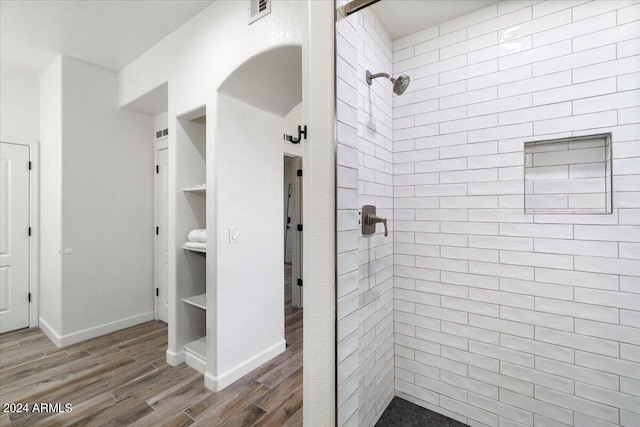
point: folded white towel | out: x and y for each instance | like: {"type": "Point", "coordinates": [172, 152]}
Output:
{"type": "Point", "coordinates": [199, 235]}
{"type": "Point", "coordinates": [196, 245]}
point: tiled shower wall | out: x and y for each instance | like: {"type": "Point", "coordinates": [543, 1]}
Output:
{"type": "Point", "coordinates": [365, 264]}
{"type": "Point", "coordinates": [505, 318]}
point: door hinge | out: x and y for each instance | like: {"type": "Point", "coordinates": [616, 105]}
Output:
{"type": "Point", "coordinates": [299, 282]}
{"type": "Point", "coordinates": [157, 168]}
{"type": "Point", "coordinates": [29, 164]}
{"type": "Point", "coordinates": [157, 231]}
{"type": "Point", "coordinates": [299, 172]}
{"type": "Point", "coordinates": [157, 292]}
{"type": "Point", "coordinates": [29, 296]}
{"type": "Point", "coordinates": [29, 231]}
{"type": "Point", "coordinates": [299, 227]}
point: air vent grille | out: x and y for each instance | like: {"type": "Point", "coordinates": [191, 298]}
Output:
{"type": "Point", "coordinates": [259, 9]}
{"type": "Point", "coordinates": [162, 133]}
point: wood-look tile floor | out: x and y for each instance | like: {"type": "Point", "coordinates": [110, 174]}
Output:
{"type": "Point", "coordinates": [121, 379]}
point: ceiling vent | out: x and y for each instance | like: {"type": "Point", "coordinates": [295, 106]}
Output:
{"type": "Point", "coordinates": [259, 9]}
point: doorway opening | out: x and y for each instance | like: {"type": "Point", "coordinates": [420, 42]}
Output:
{"type": "Point", "coordinates": [161, 158]}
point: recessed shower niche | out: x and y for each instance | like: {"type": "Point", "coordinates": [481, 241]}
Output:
{"type": "Point", "coordinates": [568, 175]}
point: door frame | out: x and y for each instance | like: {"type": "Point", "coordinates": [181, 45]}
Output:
{"type": "Point", "coordinates": [297, 238]}
{"type": "Point", "coordinates": [158, 144]}
{"type": "Point", "coordinates": [34, 223]}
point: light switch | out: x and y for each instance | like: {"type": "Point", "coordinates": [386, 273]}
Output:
{"type": "Point", "coordinates": [233, 234]}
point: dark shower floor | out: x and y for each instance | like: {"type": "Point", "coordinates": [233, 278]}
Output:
{"type": "Point", "coordinates": [401, 413]}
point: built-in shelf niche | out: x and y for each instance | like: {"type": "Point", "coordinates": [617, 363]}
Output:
{"type": "Point", "coordinates": [568, 175]}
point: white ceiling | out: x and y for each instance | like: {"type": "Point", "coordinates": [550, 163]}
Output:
{"type": "Point", "coordinates": [106, 33]}
{"type": "Point", "coordinates": [404, 17]}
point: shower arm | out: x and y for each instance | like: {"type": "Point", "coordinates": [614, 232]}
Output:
{"type": "Point", "coordinates": [370, 77]}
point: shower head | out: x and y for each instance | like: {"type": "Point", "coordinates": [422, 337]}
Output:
{"type": "Point", "coordinates": [400, 84]}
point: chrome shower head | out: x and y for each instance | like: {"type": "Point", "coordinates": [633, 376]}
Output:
{"type": "Point", "coordinates": [400, 84]}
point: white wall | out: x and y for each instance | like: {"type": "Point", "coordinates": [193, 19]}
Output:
{"type": "Point", "coordinates": [97, 204]}
{"type": "Point", "coordinates": [501, 317]}
{"type": "Point", "coordinates": [51, 197]}
{"type": "Point", "coordinates": [365, 263]}
{"type": "Point", "coordinates": [107, 214]}
{"type": "Point", "coordinates": [191, 61]}
{"type": "Point", "coordinates": [250, 283]}
{"type": "Point", "coordinates": [19, 107]}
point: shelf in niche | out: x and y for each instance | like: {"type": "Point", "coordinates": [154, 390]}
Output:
{"type": "Point", "coordinates": [196, 190]}
{"type": "Point", "coordinates": [199, 301]}
{"type": "Point", "coordinates": [202, 251]}
{"type": "Point", "coordinates": [195, 354]}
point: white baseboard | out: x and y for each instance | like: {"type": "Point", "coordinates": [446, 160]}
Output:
{"type": "Point", "coordinates": [217, 383]}
{"type": "Point", "coordinates": [195, 361]}
{"type": "Point", "coordinates": [85, 334]}
{"type": "Point", "coordinates": [175, 358]}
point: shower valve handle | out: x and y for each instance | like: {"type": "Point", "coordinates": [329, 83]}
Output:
{"type": "Point", "coordinates": [372, 219]}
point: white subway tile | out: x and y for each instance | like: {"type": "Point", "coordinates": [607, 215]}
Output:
{"type": "Point", "coordinates": [441, 363]}
{"type": "Point", "coordinates": [576, 91]}
{"type": "Point", "coordinates": [468, 150]}
{"type": "Point", "coordinates": [630, 318]}
{"type": "Point", "coordinates": [473, 70]}
{"type": "Point", "coordinates": [412, 62]}
{"type": "Point", "coordinates": [537, 318]}
{"type": "Point", "coordinates": [537, 348]}
{"type": "Point", "coordinates": [607, 102]}
{"type": "Point", "coordinates": [628, 48]}
{"type": "Point", "coordinates": [417, 108]}
{"type": "Point", "coordinates": [607, 69]}
{"type": "Point", "coordinates": [630, 250]}
{"type": "Point", "coordinates": [495, 160]}
{"type": "Point", "coordinates": [585, 121]}
{"type": "Point", "coordinates": [413, 320]}
{"type": "Point", "coordinates": [583, 311]}
{"type": "Point", "coordinates": [442, 264]}
{"type": "Point", "coordinates": [500, 105]}
{"type": "Point", "coordinates": [501, 77]}
{"type": "Point", "coordinates": [608, 36]}
{"type": "Point", "coordinates": [441, 239]}
{"type": "Point", "coordinates": [501, 270]}
{"type": "Point", "coordinates": [495, 188]}
{"type": "Point", "coordinates": [501, 381]}
{"type": "Point", "coordinates": [499, 22]}
{"type": "Point", "coordinates": [548, 7]}
{"type": "Point", "coordinates": [576, 247]}
{"type": "Point", "coordinates": [471, 359]}
{"type": "Point", "coordinates": [502, 298]}
{"type": "Point", "coordinates": [469, 19]}
{"type": "Point", "coordinates": [575, 60]}
{"type": "Point", "coordinates": [498, 50]}
{"type": "Point", "coordinates": [597, 8]}
{"type": "Point", "coordinates": [441, 66]}
{"type": "Point", "coordinates": [440, 387]}
{"type": "Point", "coordinates": [577, 278]}
{"type": "Point", "coordinates": [610, 397]}
{"type": "Point", "coordinates": [469, 45]}
{"type": "Point", "coordinates": [577, 404]}
{"type": "Point", "coordinates": [480, 175]}
{"type": "Point", "coordinates": [628, 14]}
{"type": "Point", "coordinates": [469, 254]}
{"type": "Point", "coordinates": [608, 331]}
{"type": "Point", "coordinates": [441, 338]}
{"type": "Point", "coordinates": [536, 377]}
{"type": "Point", "coordinates": [607, 265]}
{"type": "Point", "coordinates": [629, 115]}
{"type": "Point", "coordinates": [608, 364]}
{"type": "Point", "coordinates": [543, 112]}
{"type": "Point", "coordinates": [535, 55]}
{"type": "Point", "coordinates": [510, 243]}
{"type": "Point", "coordinates": [487, 228]}
{"type": "Point", "coordinates": [440, 42]}
{"type": "Point", "coordinates": [414, 390]}
{"type": "Point", "coordinates": [472, 412]}
{"type": "Point", "coordinates": [584, 374]}
{"type": "Point", "coordinates": [471, 280]}
{"type": "Point", "coordinates": [477, 334]}
{"type": "Point", "coordinates": [575, 29]}
{"type": "Point", "coordinates": [469, 384]}
{"type": "Point", "coordinates": [578, 342]}
{"type": "Point", "coordinates": [558, 231]}
{"type": "Point", "coordinates": [415, 132]}
{"type": "Point", "coordinates": [441, 116]}
{"type": "Point", "coordinates": [536, 288]}
{"type": "Point", "coordinates": [608, 298]}
{"type": "Point", "coordinates": [534, 405]}
{"type": "Point", "coordinates": [630, 352]}
{"type": "Point", "coordinates": [442, 140]}
{"type": "Point", "coordinates": [534, 84]}
{"type": "Point", "coordinates": [415, 38]}
{"type": "Point", "coordinates": [500, 325]}
{"type": "Point", "coordinates": [470, 306]}
{"type": "Point", "coordinates": [471, 97]}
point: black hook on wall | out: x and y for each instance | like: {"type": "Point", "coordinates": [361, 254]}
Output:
{"type": "Point", "coordinates": [301, 133]}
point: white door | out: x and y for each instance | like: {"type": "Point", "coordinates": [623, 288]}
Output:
{"type": "Point", "coordinates": [14, 237]}
{"type": "Point", "coordinates": [288, 244]}
{"type": "Point", "coordinates": [162, 235]}
{"type": "Point", "coordinates": [296, 291]}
